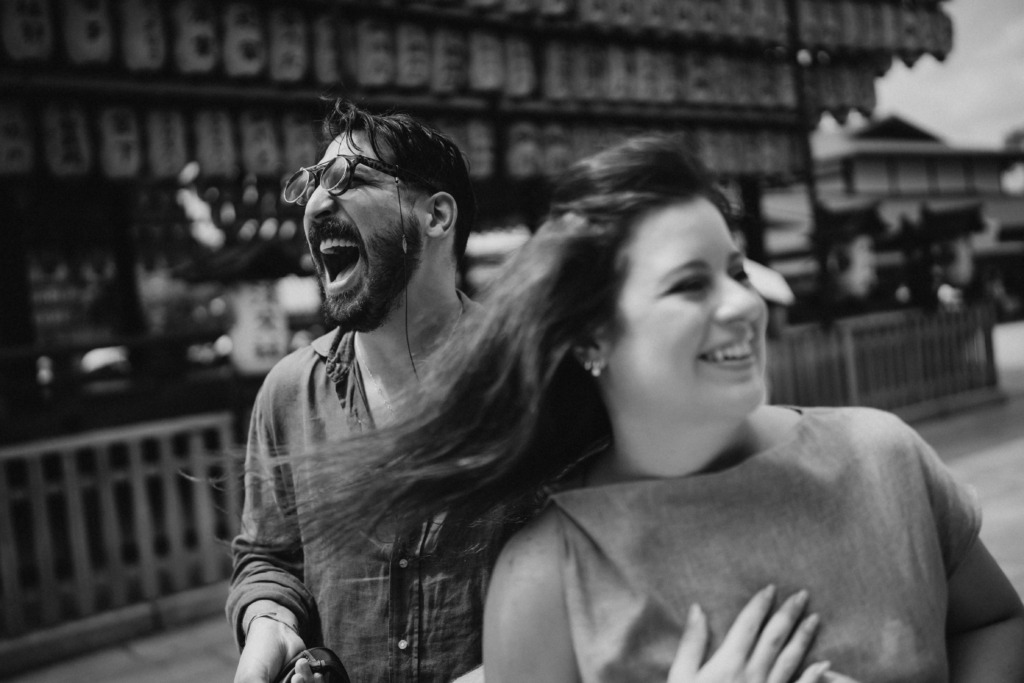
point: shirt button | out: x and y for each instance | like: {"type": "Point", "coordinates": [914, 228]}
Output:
{"type": "Point", "coordinates": [403, 563]}
{"type": "Point", "coordinates": [402, 644]}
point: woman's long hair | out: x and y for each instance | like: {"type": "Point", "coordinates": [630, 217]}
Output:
{"type": "Point", "coordinates": [505, 407]}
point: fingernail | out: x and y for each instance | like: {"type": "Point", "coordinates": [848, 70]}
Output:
{"type": "Point", "coordinates": [768, 590]}
{"type": "Point", "coordinates": [696, 613]}
{"type": "Point", "coordinates": [822, 667]}
{"type": "Point", "coordinates": [811, 622]}
{"type": "Point", "coordinates": [801, 597]}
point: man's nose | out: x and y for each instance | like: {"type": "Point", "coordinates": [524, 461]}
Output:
{"type": "Point", "coordinates": [321, 202]}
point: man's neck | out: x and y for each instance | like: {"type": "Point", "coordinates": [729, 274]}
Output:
{"type": "Point", "coordinates": [410, 335]}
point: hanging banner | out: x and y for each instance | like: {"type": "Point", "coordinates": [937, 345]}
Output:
{"type": "Point", "coordinates": [682, 18]}
{"type": "Point", "coordinates": [120, 143]}
{"type": "Point", "coordinates": [259, 333]}
{"type": "Point", "coordinates": [589, 71]}
{"type": "Point", "coordinates": [143, 35]}
{"type": "Point", "coordinates": [620, 74]}
{"type": "Point", "coordinates": [449, 61]}
{"type": "Point", "coordinates": [412, 43]}
{"type": "Point", "coordinates": [327, 55]}
{"type": "Point", "coordinates": [481, 140]}
{"type": "Point", "coordinates": [556, 8]}
{"type": "Point", "coordinates": [88, 33]}
{"type": "Point", "coordinates": [519, 7]}
{"type": "Point", "coordinates": [299, 136]}
{"type": "Point", "coordinates": [289, 56]}
{"type": "Point", "coordinates": [646, 76]}
{"type": "Point", "coordinates": [593, 12]}
{"type": "Point", "coordinates": [17, 155]}
{"type": "Point", "coordinates": [27, 30]}
{"type": "Point", "coordinates": [486, 61]}
{"type": "Point", "coordinates": [665, 77]}
{"type": "Point", "coordinates": [196, 49]}
{"type": "Point", "coordinates": [376, 53]}
{"type": "Point", "coordinates": [245, 44]}
{"type": "Point", "coordinates": [556, 150]}
{"type": "Point", "coordinates": [622, 13]}
{"type": "Point", "coordinates": [521, 70]}
{"type": "Point", "coordinates": [523, 158]}
{"type": "Point", "coordinates": [557, 71]}
{"type": "Point", "coordinates": [653, 14]}
{"type": "Point", "coordinates": [261, 150]}
{"type": "Point", "coordinates": [215, 144]}
{"type": "Point", "coordinates": [167, 149]}
{"type": "Point", "coordinates": [66, 135]}
{"type": "Point", "coordinates": [710, 17]}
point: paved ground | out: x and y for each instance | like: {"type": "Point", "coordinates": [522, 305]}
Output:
{"type": "Point", "coordinates": [985, 447]}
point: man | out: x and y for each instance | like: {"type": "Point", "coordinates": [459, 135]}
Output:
{"type": "Point", "coordinates": [388, 212]}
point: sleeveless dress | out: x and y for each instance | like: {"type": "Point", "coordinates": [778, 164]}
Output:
{"type": "Point", "coordinates": [854, 506]}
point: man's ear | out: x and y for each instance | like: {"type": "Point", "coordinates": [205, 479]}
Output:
{"type": "Point", "coordinates": [442, 212]}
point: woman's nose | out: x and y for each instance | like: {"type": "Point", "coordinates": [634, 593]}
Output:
{"type": "Point", "coordinates": [740, 301]}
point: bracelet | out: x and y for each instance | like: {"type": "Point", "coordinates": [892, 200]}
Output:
{"type": "Point", "coordinates": [273, 617]}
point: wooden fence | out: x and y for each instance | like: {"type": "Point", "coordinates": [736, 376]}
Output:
{"type": "Point", "coordinates": [103, 520]}
{"type": "Point", "coordinates": [910, 362]}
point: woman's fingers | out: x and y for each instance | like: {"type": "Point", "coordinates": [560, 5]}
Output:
{"type": "Point", "coordinates": [814, 673]}
{"type": "Point", "coordinates": [692, 647]}
{"type": "Point", "coordinates": [743, 633]}
{"type": "Point", "coordinates": [789, 658]}
{"type": "Point", "coordinates": [775, 635]}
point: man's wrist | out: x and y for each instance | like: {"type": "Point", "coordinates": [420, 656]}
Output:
{"type": "Point", "coordinates": [270, 611]}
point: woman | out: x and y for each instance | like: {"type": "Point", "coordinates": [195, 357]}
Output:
{"type": "Point", "coordinates": [620, 363]}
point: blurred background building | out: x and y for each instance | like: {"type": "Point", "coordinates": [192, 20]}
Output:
{"type": "Point", "coordinates": [152, 274]}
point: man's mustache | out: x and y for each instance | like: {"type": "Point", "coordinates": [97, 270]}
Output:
{"type": "Point", "coordinates": [333, 227]}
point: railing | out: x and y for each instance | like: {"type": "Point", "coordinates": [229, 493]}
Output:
{"type": "Point", "coordinates": [906, 361]}
{"type": "Point", "coordinates": [107, 519]}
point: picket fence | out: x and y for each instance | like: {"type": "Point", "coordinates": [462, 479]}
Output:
{"type": "Point", "coordinates": [106, 519]}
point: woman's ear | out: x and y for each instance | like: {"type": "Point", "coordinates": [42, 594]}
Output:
{"type": "Point", "coordinates": [442, 213]}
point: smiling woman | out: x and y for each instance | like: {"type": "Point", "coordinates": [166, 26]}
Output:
{"type": "Point", "coordinates": [613, 390]}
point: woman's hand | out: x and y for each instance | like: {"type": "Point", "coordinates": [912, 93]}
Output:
{"type": "Point", "coordinates": [753, 651]}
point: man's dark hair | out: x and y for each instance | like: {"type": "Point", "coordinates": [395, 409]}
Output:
{"type": "Point", "coordinates": [411, 144]}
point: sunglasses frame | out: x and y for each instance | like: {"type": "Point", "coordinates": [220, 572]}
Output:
{"type": "Point", "coordinates": [352, 161]}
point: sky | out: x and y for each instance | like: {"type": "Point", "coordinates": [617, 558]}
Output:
{"type": "Point", "coordinates": [976, 96]}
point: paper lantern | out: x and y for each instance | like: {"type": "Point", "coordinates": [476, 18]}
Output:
{"type": "Point", "coordinates": [245, 41]}
{"type": "Point", "coordinates": [216, 149]}
{"type": "Point", "coordinates": [289, 38]}
{"type": "Point", "coordinates": [27, 30]}
{"type": "Point", "coordinates": [143, 35]}
{"type": "Point", "coordinates": [412, 45]}
{"type": "Point", "coordinates": [17, 154]}
{"type": "Point", "coordinates": [88, 32]}
{"type": "Point", "coordinates": [67, 143]}
{"type": "Point", "coordinates": [120, 142]}
{"type": "Point", "coordinates": [196, 50]}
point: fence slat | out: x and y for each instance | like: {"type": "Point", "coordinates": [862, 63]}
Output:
{"type": "Point", "coordinates": [84, 594]}
{"type": "Point", "coordinates": [110, 528]}
{"type": "Point", "coordinates": [142, 519]}
{"type": "Point", "coordinates": [173, 514]}
{"type": "Point", "coordinates": [45, 559]}
{"type": "Point", "coordinates": [206, 523]}
{"type": "Point", "coordinates": [12, 614]}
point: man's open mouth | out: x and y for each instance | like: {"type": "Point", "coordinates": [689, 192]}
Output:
{"type": "Point", "coordinates": [339, 256]}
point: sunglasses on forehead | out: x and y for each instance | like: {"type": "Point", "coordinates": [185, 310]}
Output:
{"type": "Point", "coordinates": [335, 176]}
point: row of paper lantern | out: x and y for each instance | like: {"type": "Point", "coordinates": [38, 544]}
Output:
{"type": "Point", "coordinates": [287, 45]}
{"type": "Point", "coordinates": [121, 142]}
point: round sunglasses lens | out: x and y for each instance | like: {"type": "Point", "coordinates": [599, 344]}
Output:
{"type": "Point", "coordinates": [336, 175]}
{"type": "Point", "coordinates": [295, 188]}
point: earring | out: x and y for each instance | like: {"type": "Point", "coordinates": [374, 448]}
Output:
{"type": "Point", "coordinates": [594, 367]}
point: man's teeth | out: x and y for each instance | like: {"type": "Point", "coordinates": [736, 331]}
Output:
{"type": "Point", "coordinates": [738, 351]}
{"type": "Point", "coordinates": [335, 243]}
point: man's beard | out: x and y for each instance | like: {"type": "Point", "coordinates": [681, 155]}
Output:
{"type": "Point", "coordinates": [387, 271]}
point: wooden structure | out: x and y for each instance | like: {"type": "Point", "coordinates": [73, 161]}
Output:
{"type": "Point", "coordinates": [107, 521]}
{"type": "Point", "coordinates": [913, 363]}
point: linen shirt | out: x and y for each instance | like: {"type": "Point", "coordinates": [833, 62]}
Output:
{"type": "Point", "coordinates": [393, 610]}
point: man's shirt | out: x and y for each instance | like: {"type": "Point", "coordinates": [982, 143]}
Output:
{"type": "Point", "coordinates": [393, 610]}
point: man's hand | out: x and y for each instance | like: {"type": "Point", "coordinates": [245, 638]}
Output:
{"type": "Point", "coordinates": [269, 645]}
